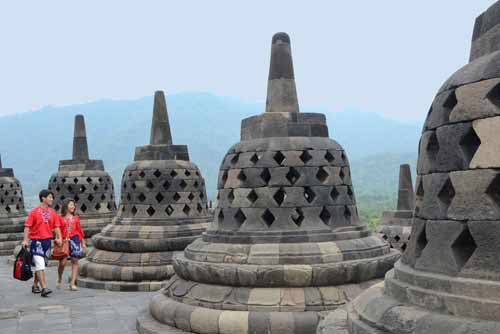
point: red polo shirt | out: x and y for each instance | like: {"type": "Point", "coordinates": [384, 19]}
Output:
{"type": "Point", "coordinates": [41, 222]}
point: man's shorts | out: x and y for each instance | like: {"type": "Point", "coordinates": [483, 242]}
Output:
{"type": "Point", "coordinates": [40, 252]}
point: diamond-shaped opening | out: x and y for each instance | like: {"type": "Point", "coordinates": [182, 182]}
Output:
{"type": "Point", "coordinates": [494, 95]}
{"type": "Point", "coordinates": [463, 248]}
{"type": "Point", "coordinates": [83, 208]}
{"type": "Point", "coordinates": [240, 217]}
{"type": "Point", "coordinates": [70, 188]}
{"type": "Point", "coordinates": [450, 103]}
{"type": "Point", "coordinates": [322, 175]}
{"type": "Point", "coordinates": [169, 210]}
{"type": "Point", "coordinates": [279, 196]}
{"type": "Point", "coordinates": [89, 180]}
{"type": "Point", "coordinates": [268, 217]}
{"type": "Point", "coordinates": [403, 247]}
{"type": "Point", "coordinates": [292, 176]}
{"type": "Point", "coordinates": [134, 185]}
{"type": "Point", "coordinates": [196, 184]}
{"type": "Point", "coordinates": [96, 187]}
{"type": "Point", "coordinates": [385, 237]}
{"type": "Point", "coordinates": [224, 177]}
{"type": "Point", "coordinates": [254, 158]}
{"type": "Point", "coordinates": [176, 197]}
{"type": "Point", "coordinates": [166, 185]}
{"type": "Point", "coordinates": [220, 216]}
{"type": "Point", "coordinates": [342, 174]}
{"type": "Point", "coordinates": [235, 158]}
{"type": "Point", "coordinates": [17, 207]}
{"type": "Point", "coordinates": [159, 197]}
{"type": "Point", "coordinates": [347, 213]}
{"type": "Point", "coordinates": [106, 187]}
{"type": "Point", "coordinates": [100, 179]}
{"type": "Point", "coordinates": [397, 238]}
{"type": "Point", "coordinates": [187, 173]}
{"type": "Point", "coordinates": [1, 186]}
{"type": "Point", "coordinates": [97, 206]}
{"type": "Point", "coordinates": [90, 197]}
{"type": "Point", "coordinates": [469, 144]}
{"type": "Point", "coordinates": [109, 206]}
{"type": "Point", "coordinates": [58, 188]}
{"type": "Point", "coordinates": [334, 194]}
{"type": "Point", "coordinates": [183, 184]}
{"type": "Point", "coordinates": [350, 192]}
{"type": "Point", "coordinates": [493, 190]}
{"type": "Point", "coordinates": [173, 173]}
{"type": "Point", "coordinates": [309, 195]}
{"type": "Point", "coordinates": [76, 198]}
{"type": "Point", "coordinates": [230, 196]}
{"type": "Point", "coordinates": [57, 207]}
{"type": "Point", "coordinates": [103, 197]}
{"type": "Point", "coordinates": [265, 175]}
{"type": "Point", "coordinates": [279, 157]}
{"type": "Point", "coordinates": [446, 193]}
{"type": "Point", "coordinates": [12, 200]}
{"type": "Point", "coordinates": [432, 146]}
{"type": "Point", "coordinates": [142, 174]}
{"type": "Point", "coordinates": [252, 196]}
{"type": "Point", "coordinates": [75, 180]}
{"type": "Point", "coordinates": [150, 211]}
{"type": "Point", "coordinates": [150, 185]}
{"type": "Point", "coordinates": [421, 242]}
{"type": "Point", "coordinates": [241, 175]}
{"type": "Point", "coordinates": [157, 173]}
{"type": "Point", "coordinates": [2, 201]}
{"type": "Point", "coordinates": [305, 156]}
{"type": "Point", "coordinates": [129, 197]}
{"type": "Point", "coordinates": [329, 157]}
{"type": "Point", "coordinates": [142, 197]}
{"type": "Point", "coordinates": [298, 217]}
{"type": "Point", "coordinates": [63, 180]}
{"type": "Point", "coordinates": [325, 216]}
{"type": "Point", "coordinates": [186, 209]}
{"type": "Point", "coordinates": [343, 157]}
{"type": "Point", "coordinates": [199, 208]}
{"type": "Point", "coordinates": [82, 189]}
{"type": "Point", "coordinates": [191, 196]}
{"type": "Point", "coordinates": [202, 196]}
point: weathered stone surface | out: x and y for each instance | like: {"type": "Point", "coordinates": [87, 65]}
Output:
{"type": "Point", "coordinates": [286, 242]}
{"type": "Point", "coordinates": [163, 208]}
{"type": "Point", "coordinates": [12, 211]}
{"type": "Point", "coordinates": [448, 279]}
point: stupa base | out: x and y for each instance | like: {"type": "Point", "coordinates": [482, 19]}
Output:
{"type": "Point", "coordinates": [90, 283]}
{"type": "Point", "coordinates": [373, 312]}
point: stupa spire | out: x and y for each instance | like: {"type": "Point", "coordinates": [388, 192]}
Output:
{"type": "Point", "coordinates": [281, 90]}
{"type": "Point", "coordinates": [406, 196]}
{"type": "Point", "coordinates": [160, 127]}
{"type": "Point", "coordinates": [80, 147]}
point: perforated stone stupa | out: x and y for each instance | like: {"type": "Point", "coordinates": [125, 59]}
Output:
{"type": "Point", "coordinates": [395, 226]}
{"type": "Point", "coordinates": [163, 208]}
{"type": "Point", "coordinates": [448, 280]}
{"type": "Point", "coordinates": [86, 182]}
{"type": "Point", "coordinates": [12, 212]}
{"type": "Point", "coordinates": [286, 241]}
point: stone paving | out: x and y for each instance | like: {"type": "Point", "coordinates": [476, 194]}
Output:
{"type": "Point", "coordinates": [84, 311]}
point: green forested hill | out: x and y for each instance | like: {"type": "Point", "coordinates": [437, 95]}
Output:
{"type": "Point", "coordinates": [33, 142]}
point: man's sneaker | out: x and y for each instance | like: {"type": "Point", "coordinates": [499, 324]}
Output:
{"type": "Point", "coordinates": [46, 292]}
{"type": "Point", "coordinates": [35, 289]}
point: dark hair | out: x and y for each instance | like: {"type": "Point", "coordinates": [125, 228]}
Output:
{"type": "Point", "coordinates": [64, 206]}
{"type": "Point", "coordinates": [44, 194]}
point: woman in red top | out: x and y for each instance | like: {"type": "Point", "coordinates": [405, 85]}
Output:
{"type": "Point", "coordinates": [71, 232]}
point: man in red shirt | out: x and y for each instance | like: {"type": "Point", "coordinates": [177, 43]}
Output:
{"type": "Point", "coordinates": [38, 230]}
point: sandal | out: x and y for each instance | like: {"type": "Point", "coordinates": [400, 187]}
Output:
{"type": "Point", "coordinates": [58, 285]}
{"type": "Point", "coordinates": [46, 292]}
{"type": "Point", "coordinates": [73, 288]}
{"type": "Point", "coordinates": [35, 289]}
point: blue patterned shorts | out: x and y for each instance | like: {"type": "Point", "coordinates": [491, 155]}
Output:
{"type": "Point", "coordinates": [75, 247]}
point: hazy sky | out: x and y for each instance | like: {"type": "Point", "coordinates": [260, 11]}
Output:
{"type": "Point", "coordinates": [383, 56]}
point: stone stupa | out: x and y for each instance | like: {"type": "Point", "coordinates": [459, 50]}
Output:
{"type": "Point", "coordinates": [86, 182]}
{"type": "Point", "coordinates": [448, 280]}
{"type": "Point", "coordinates": [395, 226]}
{"type": "Point", "coordinates": [286, 241]}
{"type": "Point", "coordinates": [12, 212]}
{"type": "Point", "coordinates": [163, 208]}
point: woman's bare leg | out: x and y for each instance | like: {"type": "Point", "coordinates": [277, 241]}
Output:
{"type": "Point", "coordinates": [74, 271]}
{"type": "Point", "coordinates": [60, 271]}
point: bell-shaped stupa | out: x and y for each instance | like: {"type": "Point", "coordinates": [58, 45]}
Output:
{"type": "Point", "coordinates": [86, 182]}
{"type": "Point", "coordinates": [448, 280]}
{"type": "Point", "coordinates": [12, 212]}
{"type": "Point", "coordinates": [163, 208]}
{"type": "Point", "coordinates": [286, 242]}
{"type": "Point", "coordinates": [395, 226]}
